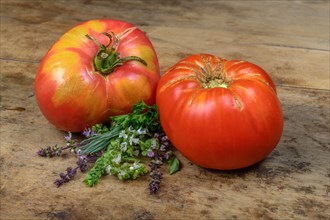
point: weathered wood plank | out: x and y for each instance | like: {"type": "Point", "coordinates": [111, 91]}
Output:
{"type": "Point", "coordinates": [293, 182]}
{"type": "Point", "coordinates": [284, 23]}
{"type": "Point", "coordinates": [287, 66]}
{"type": "Point", "coordinates": [290, 40]}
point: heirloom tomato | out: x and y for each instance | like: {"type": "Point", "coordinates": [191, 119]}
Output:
{"type": "Point", "coordinates": [97, 69]}
{"type": "Point", "coordinates": [220, 114]}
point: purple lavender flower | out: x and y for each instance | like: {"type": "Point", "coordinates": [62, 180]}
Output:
{"type": "Point", "coordinates": [68, 138]}
{"type": "Point", "coordinates": [66, 177]}
{"type": "Point", "coordinates": [167, 155]}
{"type": "Point", "coordinates": [71, 144]}
{"type": "Point", "coordinates": [58, 182]}
{"type": "Point", "coordinates": [156, 175]}
{"type": "Point", "coordinates": [50, 151]}
{"type": "Point", "coordinates": [164, 139]}
{"type": "Point", "coordinates": [91, 158]}
{"type": "Point", "coordinates": [82, 163]}
{"type": "Point", "coordinates": [154, 185]}
{"type": "Point", "coordinates": [71, 172]}
{"type": "Point", "coordinates": [153, 145]}
{"type": "Point", "coordinates": [42, 152]}
{"type": "Point", "coordinates": [162, 147]}
{"type": "Point", "coordinates": [88, 132]}
{"type": "Point", "coordinates": [151, 153]}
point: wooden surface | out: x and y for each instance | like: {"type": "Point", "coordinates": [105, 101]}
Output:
{"type": "Point", "coordinates": [289, 39]}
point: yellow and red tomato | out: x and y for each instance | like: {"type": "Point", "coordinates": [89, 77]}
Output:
{"type": "Point", "coordinates": [74, 91]}
{"type": "Point", "coordinates": [220, 114]}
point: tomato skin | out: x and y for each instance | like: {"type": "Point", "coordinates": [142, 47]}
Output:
{"type": "Point", "coordinates": [228, 127]}
{"type": "Point", "coordinates": [73, 95]}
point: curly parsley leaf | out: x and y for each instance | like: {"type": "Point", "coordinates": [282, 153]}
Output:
{"type": "Point", "coordinates": [142, 116]}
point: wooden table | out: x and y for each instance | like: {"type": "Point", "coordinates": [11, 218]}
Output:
{"type": "Point", "coordinates": [289, 39]}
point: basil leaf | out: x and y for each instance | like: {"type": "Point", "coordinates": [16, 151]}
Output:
{"type": "Point", "coordinates": [174, 165]}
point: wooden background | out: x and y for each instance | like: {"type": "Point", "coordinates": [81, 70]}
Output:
{"type": "Point", "coordinates": [289, 39]}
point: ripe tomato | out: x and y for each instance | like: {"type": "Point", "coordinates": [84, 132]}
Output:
{"type": "Point", "coordinates": [97, 69]}
{"type": "Point", "coordinates": [220, 114]}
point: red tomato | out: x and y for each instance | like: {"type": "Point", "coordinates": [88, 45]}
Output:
{"type": "Point", "coordinates": [220, 114]}
{"type": "Point", "coordinates": [97, 69]}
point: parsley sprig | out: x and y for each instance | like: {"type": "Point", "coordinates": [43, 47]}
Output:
{"type": "Point", "coordinates": [142, 116]}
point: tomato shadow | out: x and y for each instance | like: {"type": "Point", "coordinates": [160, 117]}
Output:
{"type": "Point", "coordinates": [257, 169]}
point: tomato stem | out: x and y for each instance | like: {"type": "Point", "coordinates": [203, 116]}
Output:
{"type": "Point", "coordinates": [215, 83]}
{"type": "Point", "coordinates": [107, 59]}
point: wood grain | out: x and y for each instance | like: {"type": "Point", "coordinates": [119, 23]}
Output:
{"type": "Point", "coordinates": [289, 39]}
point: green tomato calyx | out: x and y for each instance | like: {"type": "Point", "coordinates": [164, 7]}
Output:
{"type": "Point", "coordinates": [215, 83]}
{"type": "Point", "coordinates": [107, 59]}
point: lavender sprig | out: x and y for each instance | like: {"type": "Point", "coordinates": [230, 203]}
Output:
{"type": "Point", "coordinates": [56, 150]}
{"type": "Point", "coordinates": [88, 132]}
{"type": "Point", "coordinates": [50, 151]}
{"type": "Point", "coordinates": [160, 152]}
{"type": "Point", "coordinates": [82, 165]}
{"type": "Point", "coordinates": [155, 174]}
{"type": "Point", "coordinates": [64, 178]}
{"type": "Point", "coordinates": [71, 144]}
{"type": "Point", "coordinates": [115, 149]}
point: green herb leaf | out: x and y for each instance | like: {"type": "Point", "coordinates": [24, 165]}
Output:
{"type": "Point", "coordinates": [174, 165]}
{"type": "Point", "coordinates": [116, 162]}
{"type": "Point", "coordinates": [143, 116]}
{"type": "Point", "coordinates": [100, 128]}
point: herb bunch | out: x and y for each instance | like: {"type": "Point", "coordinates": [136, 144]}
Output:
{"type": "Point", "coordinates": [128, 138]}
{"type": "Point", "coordinates": [117, 149]}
